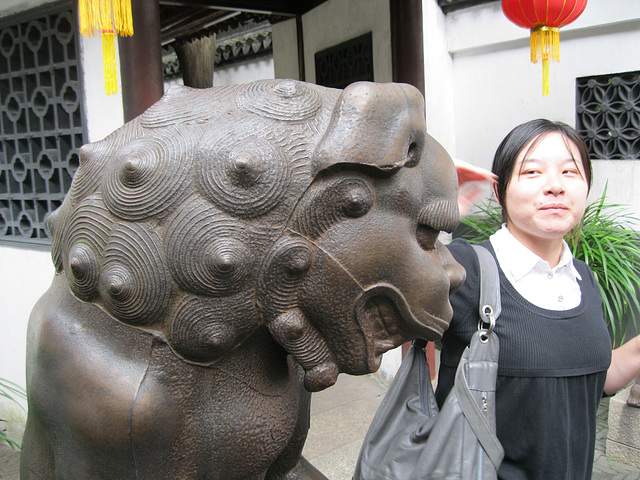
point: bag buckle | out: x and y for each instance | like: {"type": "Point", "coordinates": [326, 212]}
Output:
{"type": "Point", "coordinates": [489, 319]}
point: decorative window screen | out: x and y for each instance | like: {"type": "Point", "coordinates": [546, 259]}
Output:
{"type": "Point", "coordinates": [41, 120]}
{"type": "Point", "coordinates": [608, 114]}
{"type": "Point", "coordinates": [349, 62]}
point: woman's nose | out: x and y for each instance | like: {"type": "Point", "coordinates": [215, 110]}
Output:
{"type": "Point", "coordinates": [554, 184]}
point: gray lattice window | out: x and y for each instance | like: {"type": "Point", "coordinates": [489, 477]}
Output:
{"type": "Point", "coordinates": [41, 120]}
{"type": "Point", "coordinates": [608, 114]}
{"type": "Point", "coordinates": [349, 62]}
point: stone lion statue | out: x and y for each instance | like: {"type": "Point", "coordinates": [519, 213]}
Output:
{"type": "Point", "coordinates": [218, 258]}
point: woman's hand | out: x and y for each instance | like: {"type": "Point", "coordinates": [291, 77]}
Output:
{"type": "Point", "coordinates": [470, 173]}
{"type": "Point", "coordinates": [470, 184]}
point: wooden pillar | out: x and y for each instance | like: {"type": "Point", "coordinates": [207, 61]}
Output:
{"type": "Point", "coordinates": [197, 60]}
{"type": "Point", "coordinates": [141, 60]}
{"type": "Point", "coordinates": [407, 43]}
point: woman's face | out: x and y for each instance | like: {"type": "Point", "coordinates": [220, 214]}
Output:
{"type": "Point", "coordinates": [547, 194]}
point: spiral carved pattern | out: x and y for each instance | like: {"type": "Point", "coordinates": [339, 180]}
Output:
{"type": "Point", "coordinates": [135, 286]}
{"type": "Point", "coordinates": [285, 265]}
{"type": "Point", "coordinates": [86, 238]}
{"type": "Point", "coordinates": [287, 100]}
{"type": "Point", "coordinates": [246, 178]}
{"type": "Point", "coordinates": [442, 215]}
{"type": "Point", "coordinates": [351, 197]}
{"type": "Point", "coordinates": [56, 222]}
{"type": "Point", "coordinates": [94, 158]}
{"type": "Point", "coordinates": [147, 175]}
{"type": "Point", "coordinates": [300, 339]}
{"type": "Point", "coordinates": [208, 252]}
{"type": "Point", "coordinates": [203, 330]}
{"type": "Point", "coordinates": [187, 105]}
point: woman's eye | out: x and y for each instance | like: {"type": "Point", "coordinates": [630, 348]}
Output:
{"type": "Point", "coordinates": [427, 237]}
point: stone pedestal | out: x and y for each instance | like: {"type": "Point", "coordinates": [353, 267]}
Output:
{"type": "Point", "coordinates": [623, 438]}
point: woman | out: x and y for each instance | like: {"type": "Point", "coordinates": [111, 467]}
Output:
{"type": "Point", "coordinates": [555, 353]}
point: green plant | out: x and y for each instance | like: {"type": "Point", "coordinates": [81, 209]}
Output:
{"type": "Point", "coordinates": [13, 393]}
{"type": "Point", "coordinates": [605, 240]}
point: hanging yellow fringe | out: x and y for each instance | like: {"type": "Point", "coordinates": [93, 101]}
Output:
{"type": "Point", "coordinates": [107, 18]}
{"type": "Point", "coordinates": [545, 46]}
{"type": "Point", "coordinates": [109, 61]}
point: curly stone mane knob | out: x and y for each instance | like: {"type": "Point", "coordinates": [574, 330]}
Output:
{"type": "Point", "coordinates": [283, 100]}
{"type": "Point", "coordinates": [135, 286]}
{"type": "Point", "coordinates": [84, 241]}
{"type": "Point", "coordinates": [331, 202]}
{"type": "Point", "coordinates": [284, 266]}
{"type": "Point", "coordinates": [209, 252]}
{"type": "Point", "coordinates": [205, 329]}
{"type": "Point", "coordinates": [246, 177]}
{"type": "Point", "coordinates": [148, 175]}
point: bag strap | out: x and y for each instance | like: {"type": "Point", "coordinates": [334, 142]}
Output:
{"type": "Point", "coordinates": [483, 431]}
{"type": "Point", "coordinates": [490, 304]}
{"type": "Point", "coordinates": [490, 307]}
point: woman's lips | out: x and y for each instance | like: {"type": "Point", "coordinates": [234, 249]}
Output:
{"type": "Point", "coordinates": [554, 206]}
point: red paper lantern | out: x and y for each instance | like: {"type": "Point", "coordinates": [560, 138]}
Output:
{"type": "Point", "coordinates": [544, 18]}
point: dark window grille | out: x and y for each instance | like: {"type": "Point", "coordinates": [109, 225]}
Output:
{"type": "Point", "coordinates": [608, 115]}
{"type": "Point", "coordinates": [351, 61]}
{"type": "Point", "coordinates": [41, 120]}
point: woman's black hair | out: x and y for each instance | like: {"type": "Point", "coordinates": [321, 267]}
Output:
{"type": "Point", "coordinates": [517, 139]}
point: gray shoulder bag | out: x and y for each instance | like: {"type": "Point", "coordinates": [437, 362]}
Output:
{"type": "Point", "coordinates": [409, 439]}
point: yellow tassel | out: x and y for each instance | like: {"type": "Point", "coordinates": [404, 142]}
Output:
{"type": "Point", "coordinates": [109, 62]}
{"type": "Point", "coordinates": [545, 41]}
{"type": "Point", "coordinates": [122, 18]}
{"type": "Point", "coordinates": [89, 17]}
{"type": "Point", "coordinates": [545, 77]}
{"type": "Point", "coordinates": [109, 18]}
{"type": "Point", "coordinates": [545, 46]}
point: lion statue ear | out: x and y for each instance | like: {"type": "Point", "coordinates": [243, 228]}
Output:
{"type": "Point", "coordinates": [392, 113]}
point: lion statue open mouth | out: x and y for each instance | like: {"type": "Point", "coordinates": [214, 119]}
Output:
{"type": "Point", "coordinates": [220, 251]}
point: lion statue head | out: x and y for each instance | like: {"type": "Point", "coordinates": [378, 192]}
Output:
{"type": "Point", "coordinates": [312, 211]}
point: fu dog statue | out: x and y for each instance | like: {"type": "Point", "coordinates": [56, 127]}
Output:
{"type": "Point", "coordinates": [217, 254]}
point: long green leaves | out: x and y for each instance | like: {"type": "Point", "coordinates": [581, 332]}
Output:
{"type": "Point", "coordinates": [606, 241]}
{"type": "Point", "coordinates": [14, 393]}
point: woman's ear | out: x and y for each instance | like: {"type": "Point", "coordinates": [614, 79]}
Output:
{"type": "Point", "coordinates": [494, 189]}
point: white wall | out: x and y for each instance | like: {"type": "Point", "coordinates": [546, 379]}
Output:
{"type": "Point", "coordinates": [104, 113]}
{"type": "Point", "coordinates": [438, 78]}
{"type": "Point", "coordinates": [25, 276]}
{"type": "Point", "coordinates": [496, 87]}
{"type": "Point", "coordinates": [285, 50]}
{"type": "Point", "coordinates": [244, 72]}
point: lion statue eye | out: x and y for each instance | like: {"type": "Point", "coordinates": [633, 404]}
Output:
{"type": "Point", "coordinates": [427, 237]}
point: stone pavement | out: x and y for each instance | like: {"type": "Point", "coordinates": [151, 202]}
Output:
{"type": "Point", "coordinates": [340, 417]}
{"type": "Point", "coordinates": [603, 468]}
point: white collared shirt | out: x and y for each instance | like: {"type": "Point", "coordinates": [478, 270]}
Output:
{"type": "Point", "coordinates": [551, 288]}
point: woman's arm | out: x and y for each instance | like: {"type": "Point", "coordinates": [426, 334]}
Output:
{"type": "Point", "coordinates": [625, 366]}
